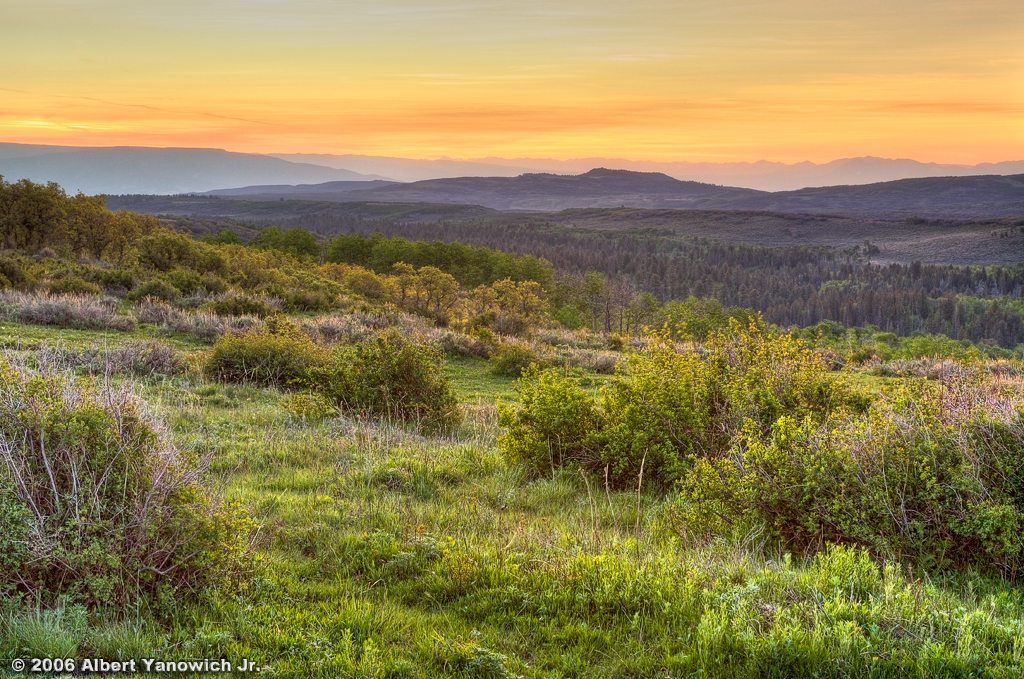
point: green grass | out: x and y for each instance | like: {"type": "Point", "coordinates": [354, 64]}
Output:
{"type": "Point", "coordinates": [384, 553]}
{"type": "Point", "coordinates": [474, 382]}
{"type": "Point", "coordinates": [27, 337]}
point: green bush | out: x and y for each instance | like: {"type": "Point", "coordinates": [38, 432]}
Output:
{"type": "Point", "coordinates": [555, 422]}
{"type": "Point", "coordinates": [214, 284]}
{"type": "Point", "coordinates": [13, 274]}
{"type": "Point", "coordinates": [389, 376]}
{"type": "Point", "coordinates": [278, 355]}
{"type": "Point", "coordinates": [676, 407]}
{"type": "Point", "coordinates": [112, 278]}
{"type": "Point", "coordinates": [922, 476]}
{"type": "Point", "coordinates": [156, 288]}
{"type": "Point", "coordinates": [184, 280]}
{"type": "Point", "coordinates": [96, 506]}
{"type": "Point", "coordinates": [511, 360]}
{"type": "Point", "coordinates": [72, 285]}
{"type": "Point", "coordinates": [165, 250]}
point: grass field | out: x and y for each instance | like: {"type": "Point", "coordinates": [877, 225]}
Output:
{"type": "Point", "coordinates": [384, 553]}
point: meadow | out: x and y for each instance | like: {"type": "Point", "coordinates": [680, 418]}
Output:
{"type": "Point", "coordinates": [385, 552]}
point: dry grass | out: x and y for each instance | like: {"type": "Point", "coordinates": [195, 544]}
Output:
{"type": "Point", "coordinates": [204, 325]}
{"type": "Point", "coordinates": [136, 357]}
{"type": "Point", "coordinates": [86, 312]}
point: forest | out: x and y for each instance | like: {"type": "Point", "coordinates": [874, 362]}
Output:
{"type": "Point", "coordinates": [795, 285]}
{"type": "Point", "coordinates": [337, 454]}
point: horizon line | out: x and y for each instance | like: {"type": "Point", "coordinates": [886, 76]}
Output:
{"type": "Point", "coordinates": [494, 159]}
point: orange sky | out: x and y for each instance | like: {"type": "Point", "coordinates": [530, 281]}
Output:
{"type": "Point", "coordinates": [722, 80]}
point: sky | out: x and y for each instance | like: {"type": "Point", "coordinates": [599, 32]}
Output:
{"type": "Point", "coordinates": [669, 80]}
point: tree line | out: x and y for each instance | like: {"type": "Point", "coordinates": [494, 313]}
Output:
{"type": "Point", "coordinates": [794, 285]}
{"type": "Point", "coordinates": [36, 216]}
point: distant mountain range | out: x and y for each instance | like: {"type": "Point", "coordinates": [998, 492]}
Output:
{"type": "Point", "coordinates": [132, 169]}
{"type": "Point", "coordinates": [762, 175]}
{"type": "Point", "coordinates": [528, 183]}
{"type": "Point", "coordinates": [952, 197]}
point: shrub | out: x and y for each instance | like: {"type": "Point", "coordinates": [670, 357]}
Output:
{"type": "Point", "coordinates": [337, 328]}
{"type": "Point", "coordinates": [310, 300]}
{"type": "Point", "coordinates": [676, 407]}
{"type": "Point", "coordinates": [155, 311]}
{"type": "Point", "coordinates": [214, 284]}
{"type": "Point", "coordinates": [512, 359]}
{"type": "Point", "coordinates": [242, 305]}
{"type": "Point", "coordinates": [601, 362]}
{"type": "Point", "coordinates": [138, 357]}
{"type": "Point", "coordinates": [389, 376]}
{"type": "Point", "coordinates": [117, 279]}
{"type": "Point", "coordinates": [932, 476]}
{"type": "Point", "coordinates": [277, 355]}
{"type": "Point", "coordinates": [200, 324]}
{"type": "Point", "coordinates": [183, 280]}
{"type": "Point", "coordinates": [72, 285]}
{"type": "Point", "coordinates": [453, 343]}
{"type": "Point", "coordinates": [366, 284]}
{"type": "Point", "coordinates": [96, 505]}
{"type": "Point", "coordinates": [208, 327]}
{"type": "Point", "coordinates": [66, 311]}
{"type": "Point", "coordinates": [12, 274]}
{"type": "Point", "coordinates": [556, 422]}
{"type": "Point", "coordinates": [165, 250]}
{"type": "Point", "coordinates": [155, 288]}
